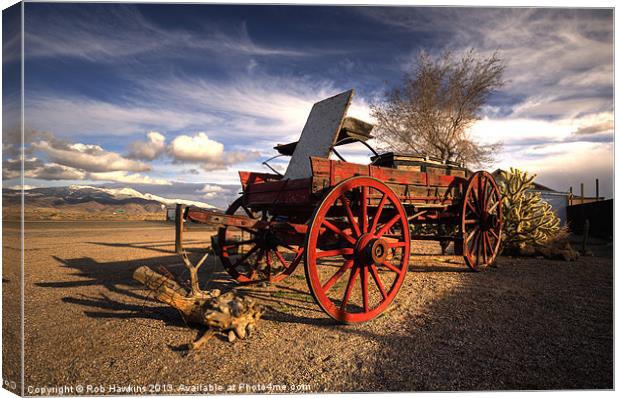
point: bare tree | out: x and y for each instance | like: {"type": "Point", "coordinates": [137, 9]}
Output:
{"type": "Point", "coordinates": [438, 101]}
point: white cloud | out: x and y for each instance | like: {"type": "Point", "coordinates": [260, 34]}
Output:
{"type": "Point", "coordinates": [559, 62]}
{"type": "Point", "coordinates": [211, 191]}
{"type": "Point", "coordinates": [570, 164]}
{"type": "Point", "coordinates": [54, 171]}
{"type": "Point", "coordinates": [562, 153]}
{"type": "Point", "coordinates": [150, 149]}
{"type": "Point", "coordinates": [123, 176]}
{"type": "Point", "coordinates": [254, 113]}
{"type": "Point", "coordinates": [199, 148]}
{"type": "Point", "coordinates": [521, 131]}
{"type": "Point", "coordinates": [196, 148]}
{"type": "Point", "coordinates": [88, 157]}
{"type": "Point", "coordinates": [77, 161]}
{"type": "Point", "coordinates": [552, 106]}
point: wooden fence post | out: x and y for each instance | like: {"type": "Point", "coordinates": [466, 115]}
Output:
{"type": "Point", "coordinates": [586, 232]}
{"type": "Point", "coordinates": [178, 223]}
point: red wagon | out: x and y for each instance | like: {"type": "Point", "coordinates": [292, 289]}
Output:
{"type": "Point", "coordinates": [351, 224]}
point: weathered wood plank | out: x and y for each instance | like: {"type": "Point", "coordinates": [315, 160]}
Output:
{"type": "Point", "coordinates": [319, 134]}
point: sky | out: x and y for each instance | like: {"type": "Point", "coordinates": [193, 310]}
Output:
{"type": "Point", "coordinates": [157, 96]}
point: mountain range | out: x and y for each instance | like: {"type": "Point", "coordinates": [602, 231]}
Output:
{"type": "Point", "coordinates": [89, 202]}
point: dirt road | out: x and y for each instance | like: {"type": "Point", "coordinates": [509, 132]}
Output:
{"type": "Point", "coordinates": [529, 324]}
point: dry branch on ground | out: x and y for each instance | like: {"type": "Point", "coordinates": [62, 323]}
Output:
{"type": "Point", "coordinates": [230, 314]}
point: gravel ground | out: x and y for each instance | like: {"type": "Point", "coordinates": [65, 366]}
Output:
{"type": "Point", "coordinates": [528, 324]}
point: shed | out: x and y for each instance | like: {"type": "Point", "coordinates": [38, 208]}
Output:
{"type": "Point", "coordinates": [170, 214]}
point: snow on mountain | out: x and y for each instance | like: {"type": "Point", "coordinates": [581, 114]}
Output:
{"type": "Point", "coordinates": [129, 193]}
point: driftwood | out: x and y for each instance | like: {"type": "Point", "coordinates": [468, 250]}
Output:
{"type": "Point", "coordinates": [229, 314]}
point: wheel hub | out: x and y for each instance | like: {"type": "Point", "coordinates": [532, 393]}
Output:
{"type": "Point", "coordinates": [489, 221]}
{"type": "Point", "coordinates": [370, 249]}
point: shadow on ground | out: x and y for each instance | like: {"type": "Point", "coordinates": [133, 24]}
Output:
{"type": "Point", "coordinates": [124, 297]}
{"type": "Point", "coordinates": [528, 325]}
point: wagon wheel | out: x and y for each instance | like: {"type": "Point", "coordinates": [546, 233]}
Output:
{"type": "Point", "coordinates": [481, 221]}
{"type": "Point", "coordinates": [252, 255]}
{"type": "Point", "coordinates": [351, 271]}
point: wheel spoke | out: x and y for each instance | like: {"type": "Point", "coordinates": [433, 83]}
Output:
{"type": "Point", "coordinates": [471, 235]}
{"type": "Point", "coordinates": [347, 207]}
{"type": "Point", "coordinates": [248, 230]}
{"type": "Point", "coordinates": [335, 252]}
{"type": "Point", "coordinates": [248, 212]}
{"type": "Point", "coordinates": [388, 225]}
{"type": "Point", "coordinates": [484, 193]}
{"type": "Point", "coordinates": [254, 269]}
{"type": "Point", "coordinates": [375, 220]}
{"type": "Point", "coordinates": [375, 276]}
{"type": "Point", "coordinates": [468, 222]}
{"type": "Point", "coordinates": [268, 259]}
{"type": "Point", "coordinates": [472, 207]}
{"type": "Point", "coordinates": [252, 273]}
{"type": "Point", "coordinates": [364, 209]}
{"type": "Point", "coordinates": [339, 232]}
{"type": "Point", "coordinates": [491, 247]}
{"type": "Point", "coordinates": [389, 265]}
{"type": "Point", "coordinates": [298, 256]}
{"type": "Point", "coordinates": [281, 259]}
{"type": "Point", "coordinates": [480, 199]}
{"type": "Point", "coordinates": [364, 279]}
{"type": "Point", "coordinates": [347, 293]}
{"type": "Point", "coordinates": [284, 245]}
{"type": "Point", "coordinates": [494, 234]}
{"type": "Point", "coordinates": [484, 247]}
{"type": "Point", "coordinates": [474, 193]}
{"type": "Point", "coordinates": [478, 248]}
{"type": "Point", "coordinates": [246, 256]}
{"type": "Point", "coordinates": [474, 243]}
{"type": "Point", "coordinates": [347, 265]}
{"type": "Point", "coordinates": [491, 198]}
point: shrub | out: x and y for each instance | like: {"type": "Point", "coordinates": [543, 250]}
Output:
{"type": "Point", "coordinates": [529, 221]}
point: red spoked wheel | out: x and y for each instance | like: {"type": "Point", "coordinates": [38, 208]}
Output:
{"type": "Point", "coordinates": [357, 250]}
{"type": "Point", "coordinates": [255, 255]}
{"type": "Point", "coordinates": [481, 221]}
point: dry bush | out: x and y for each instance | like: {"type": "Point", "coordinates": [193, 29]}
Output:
{"type": "Point", "coordinates": [438, 101]}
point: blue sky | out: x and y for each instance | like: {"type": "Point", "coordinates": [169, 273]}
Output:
{"type": "Point", "coordinates": [153, 95]}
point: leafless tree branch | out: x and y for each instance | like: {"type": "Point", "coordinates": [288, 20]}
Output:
{"type": "Point", "coordinates": [431, 112]}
